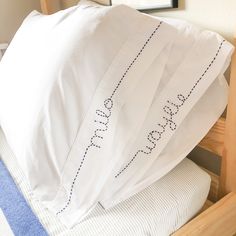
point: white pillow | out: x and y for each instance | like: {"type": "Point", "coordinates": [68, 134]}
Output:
{"type": "Point", "coordinates": [48, 77]}
{"type": "Point", "coordinates": [58, 68]}
{"type": "Point", "coordinates": [43, 90]}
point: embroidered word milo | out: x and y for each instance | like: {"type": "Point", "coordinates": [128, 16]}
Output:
{"type": "Point", "coordinates": [103, 121]}
{"type": "Point", "coordinates": [103, 117]}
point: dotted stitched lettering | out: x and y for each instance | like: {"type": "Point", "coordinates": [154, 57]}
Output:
{"type": "Point", "coordinates": [104, 115]}
{"type": "Point", "coordinates": [170, 110]}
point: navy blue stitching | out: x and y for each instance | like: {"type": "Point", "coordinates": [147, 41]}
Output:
{"type": "Point", "coordinates": [108, 104]}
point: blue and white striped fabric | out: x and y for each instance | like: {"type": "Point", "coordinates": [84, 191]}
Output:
{"type": "Point", "coordinates": [158, 210]}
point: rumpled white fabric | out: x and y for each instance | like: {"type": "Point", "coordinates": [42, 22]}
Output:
{"type": "Point", "coordinates": [94, 102]}
{"type": "Point", "coordinates": [160, 209]}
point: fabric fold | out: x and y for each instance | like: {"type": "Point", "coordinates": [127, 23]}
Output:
{"type": "Point", "coordinates": [116, 103]}
{"type": "Point", "coordinates": [96, 142]}
{"type": "Point", "coordinates": [171, 107]}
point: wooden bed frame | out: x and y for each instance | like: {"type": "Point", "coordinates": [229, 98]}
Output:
{"type": "Point", "coordinates": [218, 216]}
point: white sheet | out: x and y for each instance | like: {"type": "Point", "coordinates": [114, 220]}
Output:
{"type": "Point", "coordinates": [94, 114]}
{"type": "Point", "coordinates": [158, 210]}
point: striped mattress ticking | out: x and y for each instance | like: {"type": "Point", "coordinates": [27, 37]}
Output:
{"type": "Point", "coordinates": [160, 209]}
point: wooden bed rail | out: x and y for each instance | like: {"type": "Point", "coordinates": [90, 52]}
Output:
{"type": "Point", "coordinates": [218, 220]}
{"type": "Point", "coordinates": [221, 139]}
{"type": "Point", "coordinates": [228, 166]}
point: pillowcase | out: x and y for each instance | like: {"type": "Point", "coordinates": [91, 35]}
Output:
{"type": "Point", "coordinates": [55, 82]}
{"type": "Point", "coordinates": [48, 78]}
{"type": "Point", "coordinates": [194, 126]}
{"type": "Point", "coordinates": [43, 92]}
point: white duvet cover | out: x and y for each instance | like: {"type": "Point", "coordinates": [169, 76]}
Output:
{"type": "Point", "coordinates": [94, 102]}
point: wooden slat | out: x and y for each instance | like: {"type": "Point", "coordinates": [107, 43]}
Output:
{"type": "Point", "coordinates": [68, 3]}
{"type": "Point", "coordinates": [215, 186]}
{"type": "Point", "coordinates": [228, 167]}
{"type": "Point", "coordinates": [45, 7]}
{"type": "Point", "coordinates": [214, 140]}
{"type": "Point", "coordinates": [207, 204]}
{"type": "Point", "coordinates": [218, 220]}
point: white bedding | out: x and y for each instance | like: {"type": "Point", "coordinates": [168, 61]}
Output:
{"type": "Point", "coordinates": [157, 211]}
{"type": "Point", "coordinates": [97, 103]}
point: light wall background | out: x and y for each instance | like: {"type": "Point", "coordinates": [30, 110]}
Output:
{"type": "Point", "coordinates": [217, 15]}
{"type": "Point", "coordinates": [12, 13]}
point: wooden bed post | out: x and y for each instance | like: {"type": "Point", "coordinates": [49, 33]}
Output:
{"type": "Point", "coordinates": [50, 6]}
{"type": "Point", "coordinates": [228, 166]}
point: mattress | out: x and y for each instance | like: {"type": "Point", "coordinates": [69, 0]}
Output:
{"type": "Point", "coordinates": [160, 209]}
